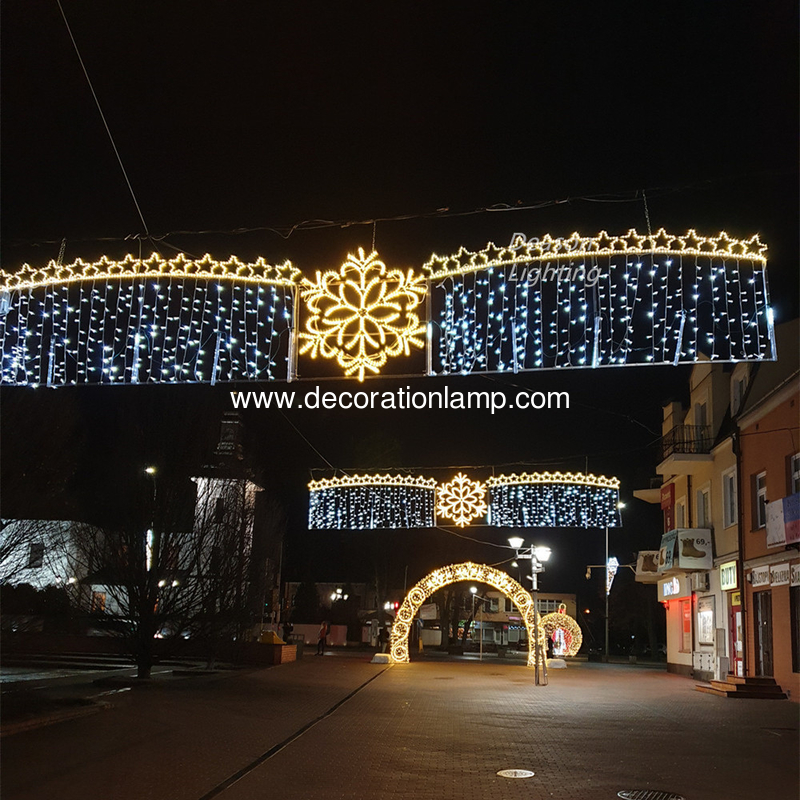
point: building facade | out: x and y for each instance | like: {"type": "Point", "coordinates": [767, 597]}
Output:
{"type": "Point", "coordinates": [729, 501]}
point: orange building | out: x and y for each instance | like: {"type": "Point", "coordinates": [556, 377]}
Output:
{"type": "Point", "coordinates": [769, 484]}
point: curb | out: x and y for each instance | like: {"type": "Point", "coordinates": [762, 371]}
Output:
{"type": "Point", "coordinates": [51, 719]}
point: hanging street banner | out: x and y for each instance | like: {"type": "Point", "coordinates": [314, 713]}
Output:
{"type": "Point", "coordinates": [533, 304]}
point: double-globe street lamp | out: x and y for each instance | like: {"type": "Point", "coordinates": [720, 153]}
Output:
{"type": "Point", "coordinates": [538, 555]}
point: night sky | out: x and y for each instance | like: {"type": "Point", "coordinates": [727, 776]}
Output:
{"type": "Point", "coordinates": [235, 121]}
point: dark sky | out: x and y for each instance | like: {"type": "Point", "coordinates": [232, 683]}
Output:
{"type": "Point", "coordinates": [262, 115]}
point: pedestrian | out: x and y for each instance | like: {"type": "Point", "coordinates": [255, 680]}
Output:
{"type": "Point", "coordinates": [322, 638]}
{"type": "Point", "coordinates": [384, 638]}
{"type": "Point", "coordinates": [287, 630]}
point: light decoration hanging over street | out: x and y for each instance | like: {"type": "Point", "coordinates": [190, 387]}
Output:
{"type": "Point", "coordinates": [363, 314]}
{"type": "Point", "coordinates": [455, 573]}
{"type": "Point", "coordinates": [601, 301]}
{"type": "Point", "coordinates": [528, 500]}
{"type": "Point", "coordinates": [612, 566]}
{"type": "Point", "coordinates": [369, 502]}
{"type": "Point", "coordinates": [146, 321]}
{"type": "Point", "coordinates": [461, 500]}
{"type": "Point", "coordinates": [535, 304]}
{"type": "Point", "coordinates": [564, 630]}
{"type": "Point", "coordinates": [554, 499]}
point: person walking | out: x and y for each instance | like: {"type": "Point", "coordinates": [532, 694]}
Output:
{"type": "Point", "coordinates": [322, 638]}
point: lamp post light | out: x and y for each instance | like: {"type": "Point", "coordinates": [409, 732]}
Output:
{"type": "Point", "coordinates": [538, 555]}
{"type": "Point", "coordinates": [474, 591]}
{"type": "Point", "coordinates": [151, 472]}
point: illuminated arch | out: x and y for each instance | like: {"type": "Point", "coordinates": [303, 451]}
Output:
{"type": "Point", "coordinates": [559, 620]}
{"type": "Point", "coordinates": [454, 573]}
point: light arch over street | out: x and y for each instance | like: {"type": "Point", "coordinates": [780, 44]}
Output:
{"type": "Point", "coordinates": [455, 573]}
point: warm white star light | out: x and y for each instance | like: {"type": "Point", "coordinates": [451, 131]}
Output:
{"type": "Point", "coordinates": [461, 500]}
{"type": "Point", "coordinates": [363, 314]}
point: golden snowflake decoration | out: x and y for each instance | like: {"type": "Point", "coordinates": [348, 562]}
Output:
{"type": "Point", "coordinates": [363, 314]}
{"type": "Point", "coordinates": [461, 500]}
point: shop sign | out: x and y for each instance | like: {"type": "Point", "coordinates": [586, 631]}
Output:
{"type": "Point", "coordinates": [779, 575]}
{"type": "Point", "coordinates": [736, 599]}
{"type": "Point", "coordinates": [428, 611]}
{"type": "Point", "coordinates": [728, 578]}
{"type": "Point", "coordinates": [795, 574]}
{"type": "Point", "coordinates": [673, 587]}
{"type": "Point", "coordinates": [783, 521]}
{"type": "Point", "coordinates": [647, 566]}
{"type": "Point", "coordinates": [759, 576]}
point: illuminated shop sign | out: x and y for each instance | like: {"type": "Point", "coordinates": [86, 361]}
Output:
{"type": "Point", "coordinates": [728, 578]}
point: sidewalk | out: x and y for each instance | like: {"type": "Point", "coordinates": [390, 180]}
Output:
{"type": "Point", "coordinates": [424, 730]}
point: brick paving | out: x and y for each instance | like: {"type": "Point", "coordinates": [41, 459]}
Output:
{"type": "Point", "coordinates": [425, 730]}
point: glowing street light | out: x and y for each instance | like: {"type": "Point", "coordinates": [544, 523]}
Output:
{"type": "Point", "coordinates": [537, 555]}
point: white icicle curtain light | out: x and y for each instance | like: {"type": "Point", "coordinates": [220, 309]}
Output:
{"type": "Point", "coordinates": [534, 304]}
{"type": "Point", "coordinates": [528, 500]}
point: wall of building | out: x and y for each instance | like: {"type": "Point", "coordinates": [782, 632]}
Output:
{"type": "Point", "coordinates": [769, 439]}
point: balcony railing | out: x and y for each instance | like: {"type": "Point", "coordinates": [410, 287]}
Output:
{"type": "Point", "coordinates": [686, 439]}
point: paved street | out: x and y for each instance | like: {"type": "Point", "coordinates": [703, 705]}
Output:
{"type": "Point", "coordinates": [430, 729]}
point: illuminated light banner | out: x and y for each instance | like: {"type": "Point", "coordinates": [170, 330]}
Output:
{"type": "Point", "coordinates": [535, 500]}
{"type": "Point", "coordinates": [535, 304]}
{"type": "Point", "coordinates": [554, 499]}
{"type": "Point", "coordinates": [151, 321]}
{"type": "Point", "coordinates": [601, 301]}
{"type": "Point", "coordinates": [369, 502]}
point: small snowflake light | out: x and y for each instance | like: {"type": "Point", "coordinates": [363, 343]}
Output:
{"type": "Point", "coordinates": [461, 500]}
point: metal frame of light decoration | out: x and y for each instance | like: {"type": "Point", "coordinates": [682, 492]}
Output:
{"type": "Point", "coordinates": [455, 573]}
{"type": "Point", "coordinates": [535, 304]}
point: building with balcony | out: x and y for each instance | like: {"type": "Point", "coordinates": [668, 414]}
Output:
{"type": "Point", "coordinates": [729, 550]}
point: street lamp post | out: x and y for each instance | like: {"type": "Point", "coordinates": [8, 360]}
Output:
{"type": "Point", "coordinates": [475, 594]}
{"type": "Point", "coordinates": [537, 556]}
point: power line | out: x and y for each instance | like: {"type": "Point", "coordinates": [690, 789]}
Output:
{"type": "Point", "coordinates": [103, 118]}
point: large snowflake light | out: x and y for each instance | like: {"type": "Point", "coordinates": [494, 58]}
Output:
{"type": "Point", "coordinates": [461, 500]}
{"type": "Point", "coordinates": [363, 314]}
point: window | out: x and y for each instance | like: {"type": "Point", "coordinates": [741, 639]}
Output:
{"type": "Point", "coordinates": [794, 474]}
{"type": "Point", "coordinates": [703, 508]}
{"type": "Point", "coordinates": [738, 395]}
{"type": "Point", "coordinates": [509, 605]}
{"type": "Point", "coordinates": [494, 605]}
{"type": "Point", "coordinates": [730, 507]}
{"type": "Point", "coordinates": [680, 514]}
{"type": "Point", "coordinates": [760, 500]}
{"type": "Point", "coordinates": [36, 555]}
{"type": "Point", "coordinates": [98, 602]}
{"type": "Point", "coordinates": [700, 415]}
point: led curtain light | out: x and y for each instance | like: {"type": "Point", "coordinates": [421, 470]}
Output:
{"type": "Point", "coordinates": [529, 500]}
{"type": "Point", "coordinates": [150, 321]}
{"type": "Point", "coordinates": [535, 304]}
{"type": "Point", "coordinates": [455, 573]}
{"type": "Point", "coordinates": [554, 499]}
{"type": "Point", "coordinates": [368, 502]}
{"type": "Point", "coordinates": [600, 301]}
